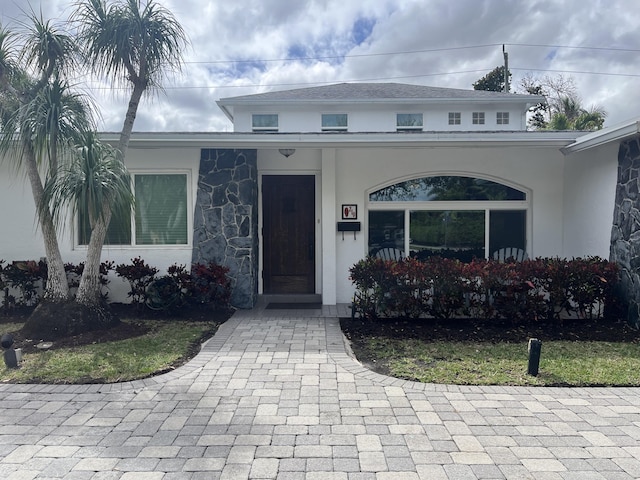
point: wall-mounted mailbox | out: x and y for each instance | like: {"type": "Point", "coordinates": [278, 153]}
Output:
{"type": "Point", "coordinates": [349, 227]}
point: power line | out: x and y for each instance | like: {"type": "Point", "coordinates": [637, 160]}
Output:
{"type": "Point", "coordinates": [411, 52]}
{"type": "Point", "coordinates": [375, 79]}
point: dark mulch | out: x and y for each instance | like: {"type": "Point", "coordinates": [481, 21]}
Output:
{"type": "Point", "coordinates": [473, 330]}
{"type": "Point", "coordinates": [121, 331]}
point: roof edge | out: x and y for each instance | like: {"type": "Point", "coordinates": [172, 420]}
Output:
{"type": "Point", "coordinates": [595, 139]}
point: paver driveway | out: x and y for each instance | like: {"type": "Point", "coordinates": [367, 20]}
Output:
{"type": "Point", "coordinates": [275, 395]}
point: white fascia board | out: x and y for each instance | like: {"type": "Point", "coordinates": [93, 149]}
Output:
{"type": "Point", "coordinates": [227, 110]}
{"type": "Point", "coordinates": [615, 133]}
{"type": "Point", "coordinates": [343, 140]}
{"type": "Point", "coordinates": [530, 100]}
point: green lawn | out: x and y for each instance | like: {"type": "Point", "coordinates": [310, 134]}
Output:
{"type": "Point", "coordinates": [563, 363]}
{"type": "Point", "coordinates": [166, 345]}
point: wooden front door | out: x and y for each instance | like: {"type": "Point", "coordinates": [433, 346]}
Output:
{"type": "Point", "coordinates": [288, 205]}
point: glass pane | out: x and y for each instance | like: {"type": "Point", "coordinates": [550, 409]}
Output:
{"type": "Point", "coordinates": [334, 120]}
{"type": "Point", "coordinates": [386, 230]}
{"type": "Point", "coordinates": [448, 233]}
{"type": "Point", "coordinates": [161, 209]}
{"type": "Point", "coordinates": [507, 229]}
{"type": "Point", "coordinates": [265, 121]}
{"type": "Point", "coordinates": [435, 189]}
{"type": "Point", "coordinates": [118, 233]}
{"type": "Point", "coordinates": [409, 119]}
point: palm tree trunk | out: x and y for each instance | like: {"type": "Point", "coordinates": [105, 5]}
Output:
{"type": "Point", "coordinates": [130, 117]}
{"type": "Point", "coordinates": [57, 289]}
{"type": "Point", "coordinates": [90, 289]}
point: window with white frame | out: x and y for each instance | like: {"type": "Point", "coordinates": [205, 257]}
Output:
{"type": "Point", "coordinates": [264, 122]}
{"type": "Point", "coordinates": [477, 118]}
{"type": "Point", "coordinates": [502, 118]}
{"type": "Point", "coordinates": [454, 118]}
{"type": "Point", "coordinates": [334, 121]}
{"type": "Point", "coordinates": [409, 121]}
{"type": "Point", "coordinates": [450, 216]}
{"type": "Point", "coordinates": [160, 215]}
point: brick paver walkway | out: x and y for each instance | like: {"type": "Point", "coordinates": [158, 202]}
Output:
{"type": "Point", "coordinates": [277, 396]}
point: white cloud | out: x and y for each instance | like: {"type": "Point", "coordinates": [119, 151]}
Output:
{"type": "Point", "coordinates": [457, 43]}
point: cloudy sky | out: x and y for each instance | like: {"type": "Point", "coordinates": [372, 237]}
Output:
{"type": "Point", "coordinates": [240, 47]}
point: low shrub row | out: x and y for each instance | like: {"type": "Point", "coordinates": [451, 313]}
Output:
{"type": "Point", "coordinates": [550, 288]}
{"type": "Point", "coordinates": [22, 283]}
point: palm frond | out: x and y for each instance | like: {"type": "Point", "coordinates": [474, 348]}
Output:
{"type": "Point", "coordinates": [96, 177]}
{"type": "Point", "coordinates": [132, 45]}
{"type": "Point", "coordinates": [47, 48]}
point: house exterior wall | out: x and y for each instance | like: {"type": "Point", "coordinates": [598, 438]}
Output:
{"type": "Point", "coordinates": [590, 179]}
{"type": "Point", "coordinates": [372, 118]}
{"type": "Point", "coordinates": [570, 203]}
{"type": "Point", "coordinates": [20, 239]}
{"type": "Point", "coordinates": [362, 171]}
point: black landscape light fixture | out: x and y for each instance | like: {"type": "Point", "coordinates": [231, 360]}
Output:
{"type": "Point", "coordinates": [535, 346]}
{"type": "Point", "coordinates": [12, 357]}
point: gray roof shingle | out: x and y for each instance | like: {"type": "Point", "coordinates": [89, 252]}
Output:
{"type": "Point", "coordinates": [374, 92]}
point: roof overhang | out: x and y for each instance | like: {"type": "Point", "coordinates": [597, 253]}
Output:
{"type": "Point", "coordinates": [346, 139]}
{"type": "Point", "coordinates": [607, 135]}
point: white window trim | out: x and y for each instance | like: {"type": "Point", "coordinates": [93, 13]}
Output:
{"type": "Point", "coordinates": [454, 118]}
{"type": "Point", "coordinates": [501, 117]}
{"type": "Point", "coordinates": [133, 244]}
{"type": "Point", "coordinates": [478, 118]}
{"type": "Point", "coordinates": [487, 205]}
{"type": "Point", "coordinates": [401, 128]}
{"type": "Point", "coordinates": [266, 129]}
{"type": "Point", "coordinates": [334, 128]}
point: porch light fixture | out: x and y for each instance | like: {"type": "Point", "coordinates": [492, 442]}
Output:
{"type": "Point", "coordinates": [287, 152]}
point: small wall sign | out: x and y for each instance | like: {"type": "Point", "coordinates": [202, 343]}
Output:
{"type": "Point", "coordinates": [349, 212]}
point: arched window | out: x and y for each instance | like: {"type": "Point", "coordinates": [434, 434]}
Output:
{"type": "Point", "coordinates": [451, 216]}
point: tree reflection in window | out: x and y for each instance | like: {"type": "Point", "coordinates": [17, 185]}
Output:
{"type": "Point", "coordinates": [443, 188]}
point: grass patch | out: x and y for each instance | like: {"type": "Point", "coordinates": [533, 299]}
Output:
{"type": "Point", "coordinates": [164, 346]}
{"type": "Point", "coordinates": [563, 363]}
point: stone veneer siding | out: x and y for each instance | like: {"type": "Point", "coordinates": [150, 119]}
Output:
{"type": "Point", "coordinates": [226, 219]}
{"type": "Point", "coordinates": [625, 234]}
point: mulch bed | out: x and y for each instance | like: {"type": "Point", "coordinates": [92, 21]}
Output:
{"type": "Point", "coordinates": [474, 330]}
{"type": "Point", "coordinates": [121, 331]}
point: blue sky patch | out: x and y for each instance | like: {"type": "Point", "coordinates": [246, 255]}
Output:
{"type": "Point", "coordinates": [362, 28]}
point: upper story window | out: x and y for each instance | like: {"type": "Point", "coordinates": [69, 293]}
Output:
{"type": "Point", "coordinates": [409, 121]}
{"type": "Point", "coordinates": [334, 121]}
{"type": "Point", "coordinates": [264, 122]}
{"type": "Point", "coordinates": [477, 118]}
{"type": "Point", "coordinates": [502, 118]}
{"type": "Point", "coordinates": [454, 118]}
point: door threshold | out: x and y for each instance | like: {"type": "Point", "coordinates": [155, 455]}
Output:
{"type": "Point", "coordinates": [291, 298]}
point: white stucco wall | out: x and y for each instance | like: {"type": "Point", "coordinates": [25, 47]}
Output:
{"type": "Point", "coordinates": [570, 215]}
{"type": "Point", "coordinates": [20, 239]}
{"type": "Point", "coordinates": [590, 189]}
{"type": "Point", "coordinates": [538, 170]}
{"type": "Point", "coordinates": [372, 118]}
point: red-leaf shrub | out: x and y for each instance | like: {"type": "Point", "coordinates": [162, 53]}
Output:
{"type": "Point", "coordinates": [444, 288]}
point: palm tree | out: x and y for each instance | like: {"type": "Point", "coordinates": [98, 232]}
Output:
{"type": "Point", "coordinates": [571, 115]}
{"type": "Point", "coordinates": [134, 43]}
{"type": "Point", "coordinates": [39, 118]}
{"type": "Point", "coordinates": [94, 178]}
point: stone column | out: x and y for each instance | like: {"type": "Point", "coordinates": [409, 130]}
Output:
{"type": "Point", "coordinates": [625, 234]}
{"type": "Point", "coordinates": [226, 219]}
